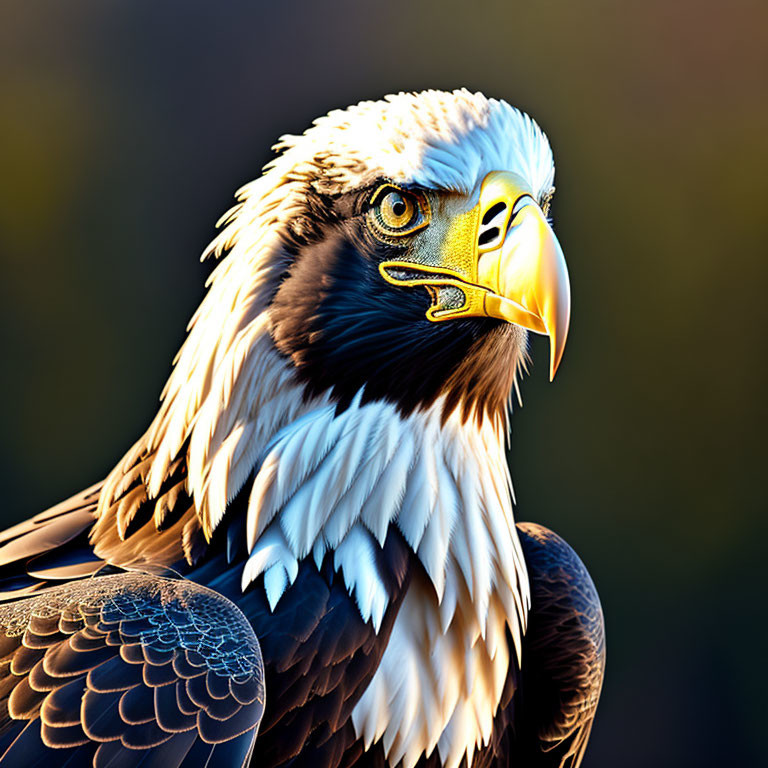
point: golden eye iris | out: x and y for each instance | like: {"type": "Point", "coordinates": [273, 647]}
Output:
{"type": "Point", "coordinates": [397, 210]}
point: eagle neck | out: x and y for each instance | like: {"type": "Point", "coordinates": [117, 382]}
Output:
{"type": "Point", "coordinates": [334, 483]}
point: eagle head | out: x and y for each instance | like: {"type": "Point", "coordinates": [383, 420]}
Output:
{"type": "Point", "coordinates": [397, 251]}
{"type": "Point", "coordinates": [415, 250]}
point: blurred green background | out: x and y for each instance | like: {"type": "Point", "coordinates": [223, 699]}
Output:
{"type": "Point", "coordinates": [126, 127]}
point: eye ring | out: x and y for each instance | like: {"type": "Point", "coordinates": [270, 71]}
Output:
{"type": "Point", "coordinates": [395, 212]}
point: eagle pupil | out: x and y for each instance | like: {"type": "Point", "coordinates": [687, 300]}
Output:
{"type": "Point", "coordinates": [399, 208]}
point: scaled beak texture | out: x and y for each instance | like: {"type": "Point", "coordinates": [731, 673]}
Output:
{"type": "Point", "coordinates": [505, 259]}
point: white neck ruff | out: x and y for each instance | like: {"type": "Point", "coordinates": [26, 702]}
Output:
{"type": "Point", "coordinates": [335, 483]}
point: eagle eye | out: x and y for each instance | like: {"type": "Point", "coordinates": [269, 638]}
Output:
{"type": "Point", "coordinates": [395, 212]}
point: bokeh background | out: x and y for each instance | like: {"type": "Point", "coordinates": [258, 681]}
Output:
{"type": "Point", "coordinates": [125, 128]}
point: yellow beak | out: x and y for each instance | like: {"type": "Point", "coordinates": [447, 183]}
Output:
{"type": "Point", "coordinates": [506, 261]}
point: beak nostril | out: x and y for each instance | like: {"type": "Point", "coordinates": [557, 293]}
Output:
{"type": "Point", "coordinates": [488, 236]}
{"type": "Point", "coordinates": [493, 212]}
{"type": "Point", "coordinates": [492, 223]}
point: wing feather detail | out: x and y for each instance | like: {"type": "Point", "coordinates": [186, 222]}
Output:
{"type": "Point", "coordinates": [128, 669]}
{"type": "Point", "coordinates": [564, 662]}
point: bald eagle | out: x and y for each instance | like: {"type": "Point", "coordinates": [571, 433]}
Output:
{"type": "Point", "coordinates": [310, 558]}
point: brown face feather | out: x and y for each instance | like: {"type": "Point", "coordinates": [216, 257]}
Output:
{"type": "Point", "coordinates": [482, 382]}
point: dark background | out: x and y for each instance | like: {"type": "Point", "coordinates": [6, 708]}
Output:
{"type": "Point", "coordinates": [125, 128]}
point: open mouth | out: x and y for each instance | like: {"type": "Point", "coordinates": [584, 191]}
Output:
{"type": "Point", "coordinates": [436, 278]}
{"type": "Point", "coordinates": [407, 273]}
{"type": "Point", "coordinates": [403, 273]}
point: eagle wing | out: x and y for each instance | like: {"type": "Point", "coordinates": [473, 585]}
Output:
{"type": "Point", "coordinates": [563, 655]}
{"type": "Point", "coordinates": [125, 670]}
{"type": "Point", "coordinates": [49, 548]}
